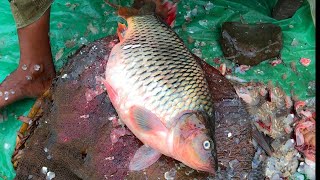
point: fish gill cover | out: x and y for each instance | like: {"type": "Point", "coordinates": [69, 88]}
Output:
{"type": "Point", "coordinates": [74, 23]}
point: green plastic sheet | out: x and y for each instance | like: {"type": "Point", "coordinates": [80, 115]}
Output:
{"type": "Point", "coordinates": [77, 22]}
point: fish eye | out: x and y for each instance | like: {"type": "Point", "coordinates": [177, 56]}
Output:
{"type": "Point", "coordinates": [206, 145]}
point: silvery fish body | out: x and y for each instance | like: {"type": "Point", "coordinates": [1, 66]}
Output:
{"type": "Point", "coordinates": [155, 70]}
{"type": "Point", "coordinates": [161, 94]}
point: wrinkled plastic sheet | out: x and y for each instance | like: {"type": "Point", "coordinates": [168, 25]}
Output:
{"type": "Point", "coordinates": [74, 23]}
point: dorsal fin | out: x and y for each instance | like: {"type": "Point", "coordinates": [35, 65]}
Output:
{"type": "Point", "coordinates": [149, 7]}
{"type": "Point", "coordinates": [126, 12]}
{"type": "Point", "coordinates": [166, 10]}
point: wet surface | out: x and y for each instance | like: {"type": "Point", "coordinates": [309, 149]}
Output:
{"type": "Point", "coordinates": [250, 44]}
{"type": "Point", "coordinates": [79, 137]}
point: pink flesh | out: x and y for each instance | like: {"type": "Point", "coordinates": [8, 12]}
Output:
{"type": "Point", "coordinates": [305, 61]}
{"type": "Point", "coordinates": [308, 150]}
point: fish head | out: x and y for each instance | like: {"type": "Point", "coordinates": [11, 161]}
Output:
{"type": "Point", "coordinates": [192, 143]}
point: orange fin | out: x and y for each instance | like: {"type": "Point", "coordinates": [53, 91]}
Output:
{"type": "Point", "coordinates": [147, 8]}
{"type": "Point", "coordinates": [166, 10]}
{"type": "Point", "coordinates": [121, 31]}
{"type": "Point", "coordinates": [143, 158]}
{"type": "Point", "coordinates": [126, 12]}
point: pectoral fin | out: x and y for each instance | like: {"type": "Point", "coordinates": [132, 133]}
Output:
{"type": "Point", "coordinates": [146, 121]}
{"type": "Point", "coordinates": [143, 158]}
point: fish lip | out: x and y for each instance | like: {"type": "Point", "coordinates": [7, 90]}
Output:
{"type": "Point", "coordinates": [205, 168]}
{"type": "Point", "coordinates": [210, 170]}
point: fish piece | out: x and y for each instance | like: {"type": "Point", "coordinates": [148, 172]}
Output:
{"type": "Point", "coordinates": [305, 61]}
{"type": "Point", "coordinates": [305, 133]}
{"type": "Point", "coordinates": [160, 92]}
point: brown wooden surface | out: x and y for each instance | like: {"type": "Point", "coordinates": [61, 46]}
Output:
{"type": "Point", "coordinates": [73, 138]}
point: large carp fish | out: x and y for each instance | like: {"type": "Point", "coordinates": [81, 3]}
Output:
{"type": "Point", "coordinates": [160, 91]}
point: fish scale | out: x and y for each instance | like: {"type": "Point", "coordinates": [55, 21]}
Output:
{"type": "Point", "coordinates": [161, 70]}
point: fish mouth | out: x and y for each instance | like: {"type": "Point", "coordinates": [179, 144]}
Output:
{"type": "Point", "coordinates": [202, 167]}
{"type": "Point", "coordinates": [208, 169]}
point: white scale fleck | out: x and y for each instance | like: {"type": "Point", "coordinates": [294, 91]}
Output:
{"type": "Point", "coordinates": [203, 44]}
{"type": "Point", "coordinates": [85, 116]}
{"type": "Point", "coordinates": [6, 146]}
{"type": "Point", "coordinates": [229, 134]}
{"type": "Point", "coordinates": [189, 172]}
{"type": "Point", "coordinates": [208, 6]}
{"type": "Point", "coordinates": [294, 42]}
{"type": "Point", "coordinates": [188, 15]}
{"type": "Point", "coordinates": [111, 118]}
{"type": "Point", "coordinates": [44, 170]}
{"type": "Point", "coordinates": [64, 76]}
{"type": "Point", "coordinates": [203, 22]}
{"type": "Point", "coordinates": [169, 175]}
{"type": "Point", "coordinates": [24, 67]}
{"type": "Point", "coordinates": [29, 78]}
{"type": "Point", "coordinates": [50, 175]}
{"type": "Point", "coordinates": [6, 95]}
{"type": "Point", "coordinates": [194, 11]}
{"type": "Point", "coordinates": [83, 40]}
{"type": "Point", "coordinates": [36, 67]}
{"type": "Point", "coordinates": [197, 43]}
{"type": "Point", "coordinates": [49, 157]}
{"type": "Point", "coordinates": [109, 158]}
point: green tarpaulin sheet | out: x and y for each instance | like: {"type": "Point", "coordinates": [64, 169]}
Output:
{"type": "Point", "coordinates": [75, 22]}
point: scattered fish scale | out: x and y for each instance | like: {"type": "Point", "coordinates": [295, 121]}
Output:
{"type": "Point", "coordinates": [274, 117]}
